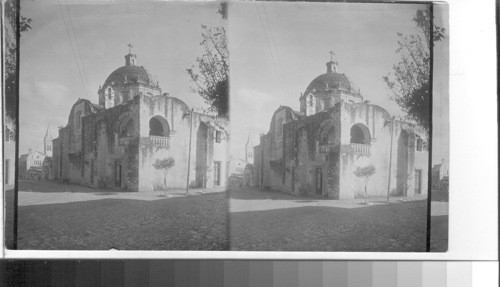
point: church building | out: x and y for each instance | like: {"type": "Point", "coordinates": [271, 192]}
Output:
{"type": "Point", "coordinates": [316, 150]}
{"type": "Point", "coordinates": [115, 143]}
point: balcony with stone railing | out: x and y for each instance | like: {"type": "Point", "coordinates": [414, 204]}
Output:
{"type": "Point", "coordinates": [158, 141]}
{"type": "Point", "coordinates": [362, 149]}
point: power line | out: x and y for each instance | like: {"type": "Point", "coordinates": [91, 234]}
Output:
{"type": "Point", "coordinates": [72, 49]}
{"type": "Point", "coordinates": [78, 48]}
{"type": "Point", "coordinates": [270, 50]}
{"type": "Point", "coordinates": [280, 70]}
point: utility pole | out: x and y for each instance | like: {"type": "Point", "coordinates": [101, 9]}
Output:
{"type": "Point", "coordinates": [390, 161]}
{"type": "Point", "coordinates": [189, 152]}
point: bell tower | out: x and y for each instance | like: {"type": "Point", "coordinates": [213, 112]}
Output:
{"type": "Point", "coordinates": [47, 143]}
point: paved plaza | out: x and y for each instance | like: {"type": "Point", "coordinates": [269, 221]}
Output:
{"type": "Point", "coordinates": [266, 220]}
{"type": "Point", "coordinates": [71, 217]}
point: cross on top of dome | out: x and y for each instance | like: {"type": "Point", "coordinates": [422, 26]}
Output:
{"type": "Point", "coordinates": [331, 66]}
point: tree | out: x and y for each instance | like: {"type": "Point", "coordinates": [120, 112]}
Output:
{"type": "Point", "coordinates": [365, 172]}
{"type": "Point", "coordinates": [164, 165]}
{"type": "Point", "coordinates": [410, 81]}
{"type": "Point", "coordinates": [211, 71]}
{"type": "Point", "coordinates": [12, 32]}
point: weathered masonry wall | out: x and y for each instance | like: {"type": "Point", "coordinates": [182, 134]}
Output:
{"type": "Point", "coordinates": [311, 161]}
{"type": "Point", "coordinates": [177, 118]}
{"type": "Point", "coordinates": [111, 151]}
{"type": "Point", "coordinates": [318, 154]}
{"type": "Point", "coordinates": [403, 163]}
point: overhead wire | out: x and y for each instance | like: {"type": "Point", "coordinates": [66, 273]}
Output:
{"type": "Point", "coordinates": [280, 70]}
{"type": "Point", "coordinates": [72, 49]}
{"type": "Point", "coordinates": [77, 48]}
{"type": "Point", "coordinates": [270, 50]}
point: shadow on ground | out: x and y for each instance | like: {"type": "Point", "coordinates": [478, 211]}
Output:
{"type": "Point", "coordinates": [197, 222]}
{"type": "Point", "coordinates": [396, 227]}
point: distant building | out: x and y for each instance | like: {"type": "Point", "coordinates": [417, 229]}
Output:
{"type": "Point", "coordinates": [316, 150]}
{"type": "Point", "coordinates": [47, 143]}
{"type": "Point", "coordinates": [37, 164]}
{"type": "Point", "coordinates": [441, 175]}
{"type": "Point", "coordinates": [249, 150]}
{"type": "Point", "coordinates": [9, 154]}
{"type": "Point", "coordinates": [31, 165]}
{"type": "Point", "coordinates": [115, 143]}
{"type": "Point", "coordinates": [241, 170]}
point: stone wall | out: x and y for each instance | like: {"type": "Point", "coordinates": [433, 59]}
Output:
{"type": "Point", "coordinates": [316, 156]}
{"type": "Point", "coordinates": [404, 159]}
{"type": "Point", "coordinates": [306, 156]}
{"type": "Point", "coordinates": [204, 149]}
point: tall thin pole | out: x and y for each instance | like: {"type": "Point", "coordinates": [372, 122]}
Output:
{"type": "Point", "coordinates": [390, 162]}
{"type": "Point", "coordinates": [429, 149]}
{"type": "Point", "coordinates": [189, 152]}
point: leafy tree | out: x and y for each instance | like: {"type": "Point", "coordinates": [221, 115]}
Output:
{"type": "Point", "coordinates": [365, 172]}
{"type": "Point", "coordinates": [12, 30]}
{"type": "Point", "coordinates": [410, 81]}
{"type": "Point", "coordinates": [164, 165]}
{"type": "Point", "coordinates": [211, 71]}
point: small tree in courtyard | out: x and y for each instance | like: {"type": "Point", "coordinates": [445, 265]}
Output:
{"type": "Point", "coordinates": [164, 165]}
{"type": "Point", "coordinates": [365, 172]}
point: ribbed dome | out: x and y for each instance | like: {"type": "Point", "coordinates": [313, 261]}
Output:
{"type": "Point", "coordinates": [326, 81]}
{"type": "Point", "coordinates": [129, 74]}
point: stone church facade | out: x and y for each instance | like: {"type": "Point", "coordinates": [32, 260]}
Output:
{"type": "Point", "coordinates": [115, 143]}
{"type": "Point", "coordinates": [316, 150]}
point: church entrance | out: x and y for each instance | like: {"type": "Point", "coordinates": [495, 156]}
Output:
{"type": "Point", "coordinates": [216, 173]}
{"type": "Point", "coordinates": [418, 181]}
{"type": "Point", "coordinates": [118, 173]}
{"type": "Point", "coordinates": [319, 180]}
{"type": "Point", "coordinates": [402, 163]}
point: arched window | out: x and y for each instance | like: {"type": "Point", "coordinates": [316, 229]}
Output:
{"type": "Point", "coordinates": [109, 92]}
{"type": "Point", "coordinates": [360, 134]}
{"type": "Point", "coordinates": [128, 129]}
{"type": "Point", "coordinates": [158, 126]}
{"type": "Point", "coordinates": [420, 144]}
{"type": "Point", "coordinates": [328, 136]}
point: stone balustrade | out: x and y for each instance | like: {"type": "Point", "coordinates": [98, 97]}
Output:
{"type": "Point", "coordinates": [362, 149]}
{"type": "Point", "coordinates": [158, 141]}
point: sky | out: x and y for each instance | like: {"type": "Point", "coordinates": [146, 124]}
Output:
{"type": "Point", "coordinates": [277, 49]}
{"type": "Point", "coordinates": [165, 37]}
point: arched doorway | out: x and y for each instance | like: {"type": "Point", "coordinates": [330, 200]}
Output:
{"type": "Point", "coordinates": [402, 163]}
{"type": "Point", "coordinates": [201, 155]}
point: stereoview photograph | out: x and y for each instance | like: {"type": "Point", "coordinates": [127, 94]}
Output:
{"type": "Point", "coordinates": [244, 126]}
{"type": "Point", "coordinates": [121, 144]}
{"type": "Point", "coordinates": [330, 123]}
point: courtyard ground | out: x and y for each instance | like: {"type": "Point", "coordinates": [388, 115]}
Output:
{"type": "Point", "coordinates": [267, 220]}
{"type": "Point", "coordinates": [63, 216]}
{"type": "Point", "coordinates": [70, 217]}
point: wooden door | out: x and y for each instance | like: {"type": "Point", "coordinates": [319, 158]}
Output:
{"type": "Point", "coordinates": [319, 180]}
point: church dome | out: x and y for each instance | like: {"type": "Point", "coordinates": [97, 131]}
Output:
{"type": "Point", "coordinates": [327, 81]}
{"type": "Point", "coordinates": [129, 74]}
